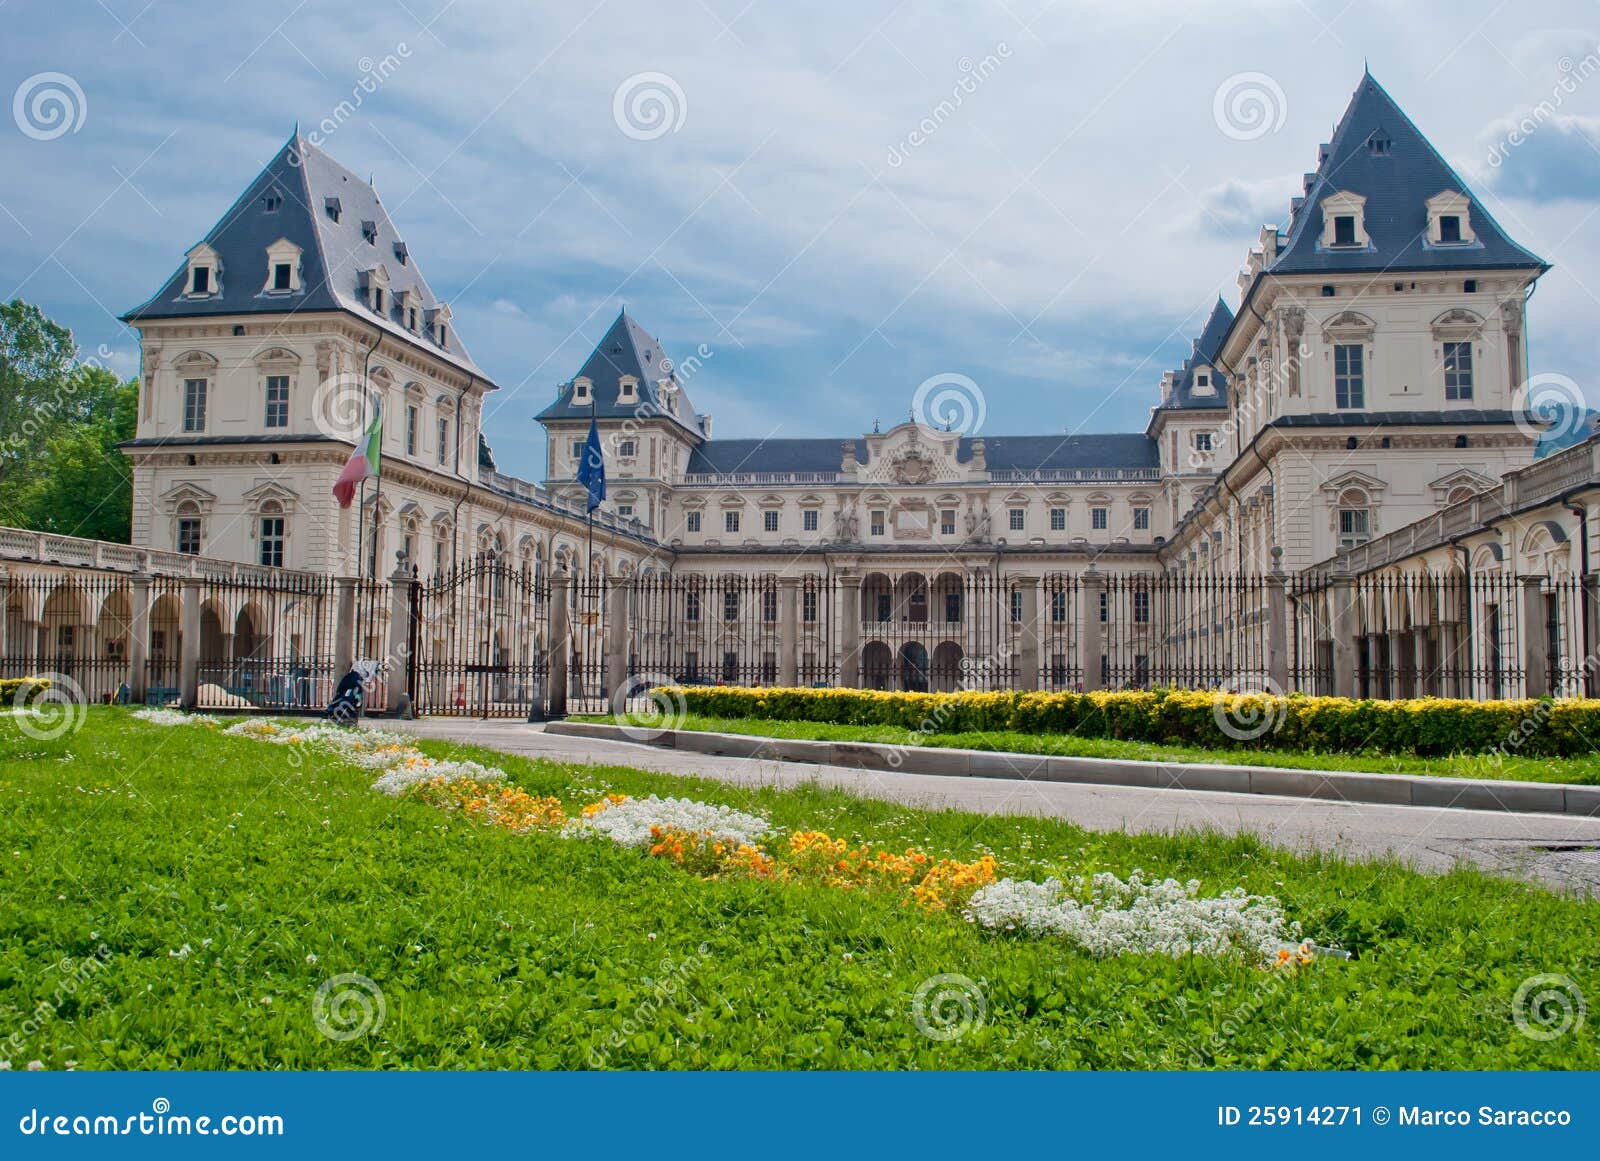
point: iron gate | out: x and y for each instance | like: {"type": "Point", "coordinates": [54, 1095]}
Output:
{"type": "Point", "coordinates": [478, 643]}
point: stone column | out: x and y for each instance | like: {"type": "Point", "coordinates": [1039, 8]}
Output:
{"type": "Point", "coordinates": [1028, 634]}
{"type": "Point", "coordinates": [1091, 633]}
{"type": "Point", "coordinates": [1535, 642]}
{"type": "Point", "coordinates": [850, 631]}
{"type": "Point", "coordinates": [1397, 658]}
{"type": "Point", "coordinates": [616, 642]}
{"type": "Point", "coordinates": [1278, 626]}
{"type": "Point", "coordinates": [1421, 682]}
{"type": "Point", "coordinates": [1342, 610]}
{"type": "Point", "coordinates": [789, 631]}
{"type": "Point", "coordinates": [1589, 611]}
{"type": "Point", "coordinates": [138, 637]}
{"type": "Point", "coordinates": [189, 657]}
{"type": "Point", "coordinates": [560, 642]}
{"type": "Point", "coordinates": [344, 627]}
{"type": "Point", "coordinates": [397, 665]}
{"type": "Point", "coordinates": [1449, 645]}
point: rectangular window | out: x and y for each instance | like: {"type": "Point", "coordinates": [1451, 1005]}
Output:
{"type": "Point", "coordinates": [272, 541]}
{"type": "Point", "coordinates": [952, 608]}
{"type": "Point", "coordinates": [730, 605]}
{"type": "Point", "coordinates": [808, 606]}
{"type": "Point", "coordinates": [692, 522]}
{"type": "Point", "coordinates": [438, 558]}
{"type": "Point", "coordinates": [730, 521]}
{"type": "Point", "coordinates": [1058, 606]}
{"type": "Point", "coordinates": [947, 522]}
{"type": "Point", "coordinates": [877, 523]}
{"type": "Point", "coordinates": [1099, 519]}
{"type": "Point", "coordinates": [280, 276]}
{"type": "Point", "coordinates": [577, 449]}
{"type": "Point", "coordinates": [1349, 380]}
{"type": "Point", "coordinates": [769, 606]}
{"type": "Point", "coordinates": [277, 401]}
{"type": "Point", "coordinates": [1141, 519]}
{"type": "Point", "coordinates": [1354, 527]}
{"type": "Point", "coordinates": [625, 510]}
{"type": "Point", "coordinates": [444, 439]}
{"type": "Point", "coordinates": [730, 667]}
{"type": "Point", "coordinates": [1058, 520]}
{"type": "Point", "coordinates": [1018, 519]}
{"type": "Point", "coordinates": [194, 405]}
{"type": "Point", "coordinates": [1105, 607]}
{"type": "Point", "coordinates": [1141, 607]}
{"type": "Point", "coordinates": [628, 448]}
{"type": "Point", "coordinates": [1344, 230]}
{"type": "Point", "coordinates": [412, 418]}
{"type": "Point", "coordinates": [883, 606]}
{"type": "Point", "coordinates": [1202, 441]}
{"type": "Point", "coordinates": [691, 606]}
{"type": "Point", "coordinates": [1458, 370]}
{"type": "Point", "coordinates": [189, 536]}
{"type": "Point", "coordinates": [1449, 228]}
{"type": "Point", "coordinates": [202, 280]}
{"type": "Point", "coordinates": [1016, 606]}
{"type": "Point", "coordinates": [808, 519]}
{"type": "Point", "coordinates": [769, 521]}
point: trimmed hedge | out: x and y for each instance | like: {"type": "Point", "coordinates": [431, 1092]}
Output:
{"type": "Point", "coordinates": [1426, 727]}
{"type": "Point", "coordinates": [19, 691]}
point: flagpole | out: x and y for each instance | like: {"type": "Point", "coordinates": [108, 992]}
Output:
{"type": "Point", "coordinates": [588, 508]}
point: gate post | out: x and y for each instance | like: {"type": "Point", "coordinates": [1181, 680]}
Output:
{"type": "Point", "coordinates": [1028, 673]}
{"type": "Point", "coordinates": [1535, 646]}
{"type": "Point", "coordinates": [344, 627]}
{"type": "Point", "coordinates": [789, 631]}
{"type": "Point", "coordinates": [850, 632]}
{"type": "Point", "coordinates": [189, 657]}
{"type": "Point", "coordinates": [1278, 625]}
{"type": "Point", "coordinates": [616, 644]}
{"type": "Point", "coordinates": [138, 637]}
{"type": "Point", "coordinates": [1343, 610]}
{"type": "Point", "coordinates": [560, 642]}
{"type": "Point", "coordinates": [397, 664]}
{"type": "Point", "coordinates": [1091, 644]}
{"type": "Point", "coordinates": [5, 597]}
{"type": "Point", "coordinates": [1589, 619]}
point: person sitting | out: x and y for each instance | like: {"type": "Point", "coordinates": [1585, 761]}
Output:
{"type": "Point", "coordinates": [345, 708]}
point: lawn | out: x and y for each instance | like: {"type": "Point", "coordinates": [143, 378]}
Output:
{"type": "Point", "coordinates": [1584, 770]}
{"type": "Point", "coordinates": [175, 898]}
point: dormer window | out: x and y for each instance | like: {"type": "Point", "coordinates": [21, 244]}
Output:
{"type": "Point", "coordinates": [200, 280]}
{"type": "Point", "coordinates": [1379, 143]}
{"type": "Point", "coordinates": [439, 324]}
{"type": "Point", "coordinates": [369, 231]}
{"type": "Point", "coordinates": [1203, 382]}
{"type": "Point", "coordinates": [1450, 219]}
{"type": "Point", "coordinates": [330, 206]}
{"type": "Point", "coordinates": [282, 272]}
{"type": "Point", "coordinates": [283, 267]}
{"type": "Point", "coordinates": [407, 300]}
{"type": "Point", "coordinates": [629, 389]}
{"type": "Point", "coordinates": [376, 283]}
{"type": "Point", "coordinates": [401, 253]}
{"type": "Point", "coordinates": [271, 202]}
{"type": "Point", "coordinates": [204, 272]}
{"type": "Point", "coordinates": [1342, 224]}
{"type": "Point", "coordinates": [580, 390]}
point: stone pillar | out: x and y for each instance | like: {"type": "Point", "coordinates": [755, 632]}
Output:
{"type": "Point", "coordinates": [1535, 642]}
{"type": "Point", "coordinates": [616, 642]}
{"type": "Point", "coordinates": [1449, 644]}
{"type": "Point", "coordinates": [1589, 611]}
{"type": "Point", "coordinates": [1277, 674]}
{"type": "Point", "coordinates": [1028, 672]}
{"type": "Point", "coordinates": [1421, 682]}
{"type": "Point", "coordinates": [1091, 633]}
{"type": "Point", "coordinates": [1342, 610]}
{"type": "Point", "coordinates": [138, 637]}
{"type": "Point", "coordinates": [1397, 658]}
{"type": "Point", "coordinates": [789, 631]}
{"type": "Point", "coordinates": [850, 632]}
{"type": "Point", "coordinates": [5, 623]}
{"type": "Point", "coordinates": [397, 664]}
{"type": "Point", "coordinates": [344, 627]}
{"type": "Point", "coordinates": [189, 634]}
{"type": "Point", "coordinates": [560, 642]}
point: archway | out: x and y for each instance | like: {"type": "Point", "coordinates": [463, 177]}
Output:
{"type": "Point", "coordinates": [877, 666]}
{"type": "Point", "coordinates": [914, 667]}
{"type": "Point", "coordinates": [945, 675]}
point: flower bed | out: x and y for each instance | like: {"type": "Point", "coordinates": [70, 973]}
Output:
{"type": "Point", "coordinates": [1423, 726]}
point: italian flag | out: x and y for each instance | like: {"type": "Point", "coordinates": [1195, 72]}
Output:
{"type": "Point", "coordinates": [362, 465]}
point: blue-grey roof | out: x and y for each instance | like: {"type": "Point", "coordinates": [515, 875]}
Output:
{"type": "Point", "coordinates": [303, 182]}
{"type": "Point", "coordinates": [626, 350]}
{"type": "Point", "coordinates": [1002, 453]}
{"type": "Point", "coordinates": [1454, 417]}
{"type": "Point", "coordinates": [725, 456]}
{"type": "Point", "coordinates": [1203, 354]}
{"type": "Point", "coordinates": [1396, 182]}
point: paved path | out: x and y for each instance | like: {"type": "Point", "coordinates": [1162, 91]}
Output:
{"type": "Point", "coordinates": [1561, 851]}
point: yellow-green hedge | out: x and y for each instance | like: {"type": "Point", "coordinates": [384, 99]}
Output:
{"type": "Point", "coordinates": [28, 687]}
{"type": "Point", "coordinates": [1424, 726]}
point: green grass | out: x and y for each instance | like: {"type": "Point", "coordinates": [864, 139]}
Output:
{"type": "Point", "coordinates": [1578, 771]}
{"type": "Point", "coordinates": [505, 951]}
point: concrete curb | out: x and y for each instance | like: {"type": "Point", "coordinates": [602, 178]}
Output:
{"type": "Point", "coordinates": [1335, 785]}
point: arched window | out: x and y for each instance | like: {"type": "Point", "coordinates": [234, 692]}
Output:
{"type": "Point", "coordinates": [273, 530]}
{"type": "Point", "coordinates": [1354, 517]}
{"type": "Point", "coordinates": [187, 528]}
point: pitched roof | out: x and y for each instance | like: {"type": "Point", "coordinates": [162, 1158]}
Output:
{"type": "Point", "coordinates": [1025, 453]}
{"type": "Point", "coordinates": [291, 199]}
{"type": "Point", "coordinates": [1396, 181]}
{"type": "Point", "coordinates": [1202, 354]}
{"type": "Point", "coordinates": [626, 350]}
{"type": "Point", "coordinates": [725, 456]}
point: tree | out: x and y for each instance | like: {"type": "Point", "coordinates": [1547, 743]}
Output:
{"type": "Point", "coordinates": [60, 423]}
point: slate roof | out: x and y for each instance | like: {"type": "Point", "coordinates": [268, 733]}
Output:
{"type": "Point", "coordinates": [333, 254]}
{"type": "Point", "coordinates": [1465, 416]}
{"type": "Point", "coordinates": [1001, 453]}
{"type": "Point", "coordinates": [1396, 184]}
{"type": "Point", "coordinates": [725, 456]}
{"type": "Point", "coordinates": [1203, 353]}
{"type": "Point", "coordinates": [626, 349]}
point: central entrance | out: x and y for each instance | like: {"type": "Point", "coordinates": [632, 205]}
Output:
{"type": "Point", "coordinates": [914, 667]}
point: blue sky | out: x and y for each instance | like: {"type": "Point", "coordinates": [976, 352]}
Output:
{"type": "Point", "coordinates": [807, 211]}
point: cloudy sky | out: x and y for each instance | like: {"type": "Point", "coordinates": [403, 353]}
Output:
{"type": "Point", "coordinates": [835, 200]}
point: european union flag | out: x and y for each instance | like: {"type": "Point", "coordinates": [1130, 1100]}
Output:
{"type": "Point", "coordinates": [592, 467]}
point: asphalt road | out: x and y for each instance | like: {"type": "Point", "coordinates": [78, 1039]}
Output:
{"type": "Point", "coordinates": [1562, 852]}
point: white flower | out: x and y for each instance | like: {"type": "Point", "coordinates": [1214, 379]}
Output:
{"type": "Point", "coordinates": [628, 823]}
{"type": "Point", "coordinates": [163, 717]}
{"type": "Point", "coordinates": [35, 1066]}
{"type": "Point", "coordinates": [182, 953]}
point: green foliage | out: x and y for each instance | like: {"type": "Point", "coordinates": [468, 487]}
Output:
{"type": "Point", "coordinates": [211, 870]}
{"type": "Point", "coordinates": [1424, 726]}
{"type": "Point", "coordinates": [20, 691]}
{"type": "Point", "coordinates": [60, 424]}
